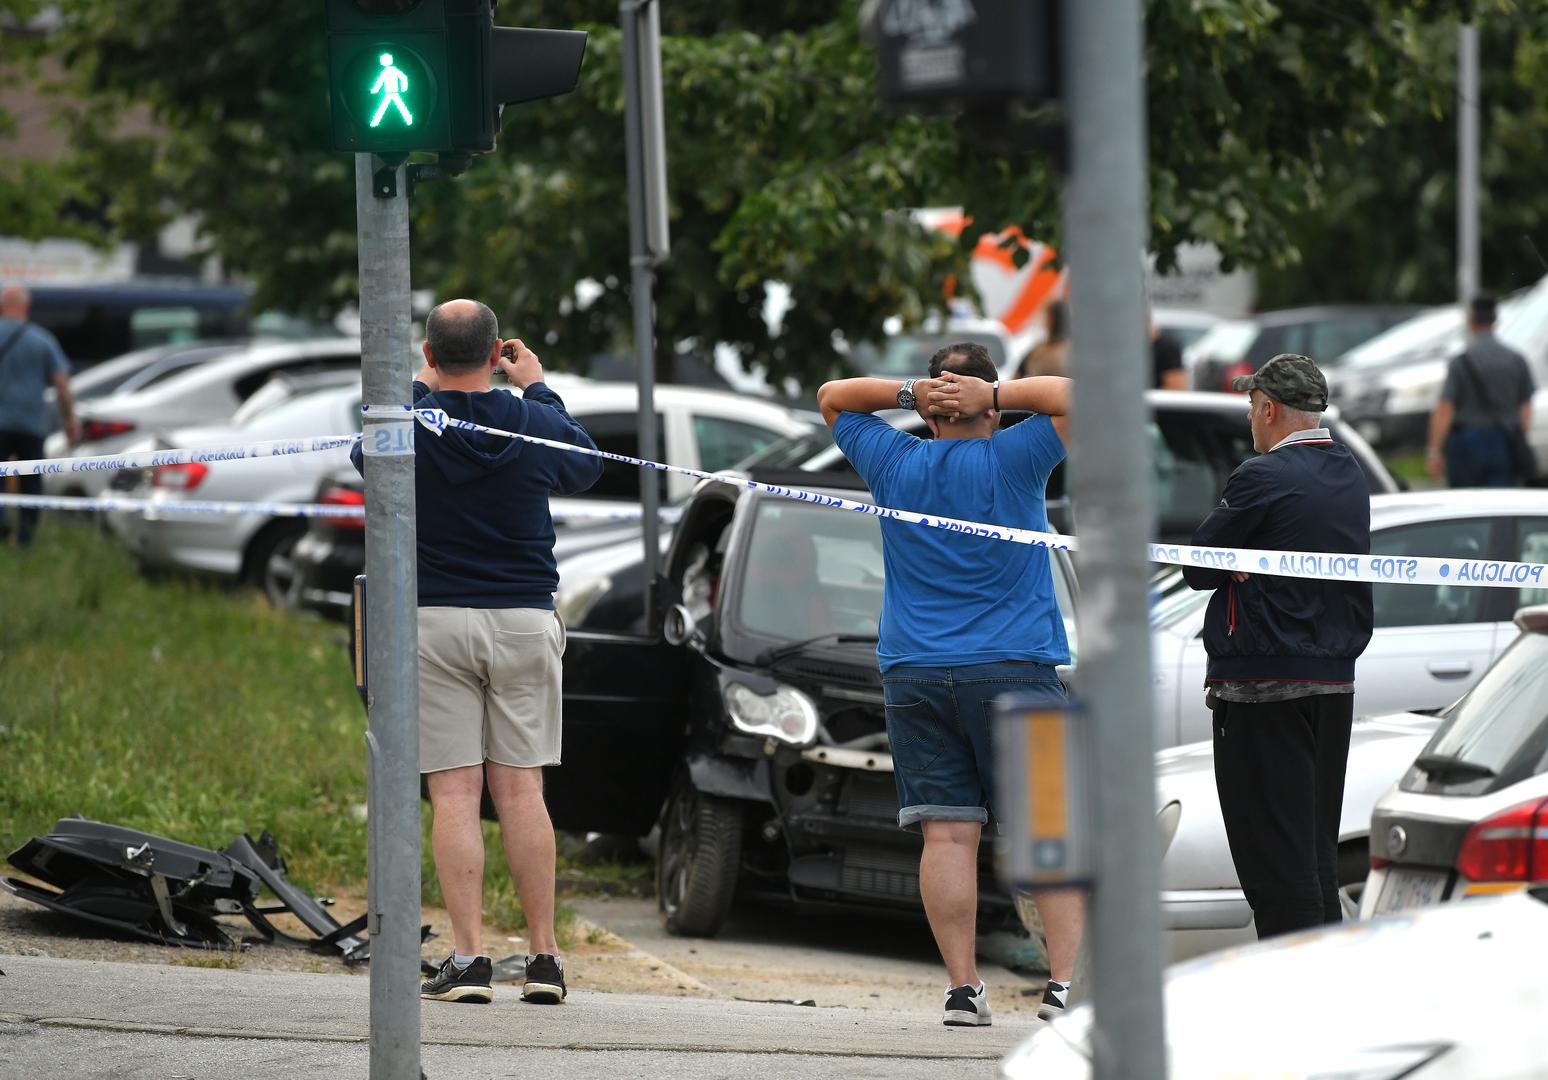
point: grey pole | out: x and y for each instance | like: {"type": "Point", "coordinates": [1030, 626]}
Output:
{"type": "Point", "coordinates": [392, 592]}
{"type": "Point", "coordinates": [1467, 163]}
{"type": "Point", "coordinates": [1105, 230]}
{"type": "Point", "coordinates": [641, 282]}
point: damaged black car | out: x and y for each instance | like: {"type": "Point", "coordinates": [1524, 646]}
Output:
{"type": "Point", "coordinates": [747, 723]}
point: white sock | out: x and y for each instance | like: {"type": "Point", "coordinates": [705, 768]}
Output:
{"type": "Point", "coordinates": [463, 961]}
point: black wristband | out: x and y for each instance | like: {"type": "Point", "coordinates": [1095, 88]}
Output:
{"type": "Point", "coordinates": [997, 395]}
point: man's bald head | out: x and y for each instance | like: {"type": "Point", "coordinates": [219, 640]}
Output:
{"type": "Point", "coordinates": [461, 335]}
{"type": "Point", "coordinates": [15, 302]}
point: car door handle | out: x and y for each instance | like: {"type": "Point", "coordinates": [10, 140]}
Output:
{"type": "Point", "coordinates": [1454, 670]}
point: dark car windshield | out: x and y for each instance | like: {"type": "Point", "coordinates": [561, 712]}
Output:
{"type": "Point", "coordinates": [806, 572]}
{"type": "Point", "coordinates": [1498, 734]}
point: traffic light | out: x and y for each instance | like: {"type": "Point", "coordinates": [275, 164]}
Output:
{"type": "Point", "coordinates": [965, 54]}
{"type": "Point", "coordinates": [433, 75]}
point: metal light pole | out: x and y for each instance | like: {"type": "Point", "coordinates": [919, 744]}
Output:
{"type": "Point", "coordinates": [645, 154]}
{"type": "Point", "coordinates": [1467, 163]}
{"type": "Point", "coordinates": [1105, 231]}
{"type": "Point", "coordinates": [392, 596]}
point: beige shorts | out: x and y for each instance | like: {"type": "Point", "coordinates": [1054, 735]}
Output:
{"type": "Point", "coordinates": [489, 687]}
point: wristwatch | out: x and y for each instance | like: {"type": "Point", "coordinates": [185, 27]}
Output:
{"type": "Point", "coordinates": [906, 399]}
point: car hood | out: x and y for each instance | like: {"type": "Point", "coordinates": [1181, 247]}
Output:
{"type": "Point", "coordinates": [1388, 1010]}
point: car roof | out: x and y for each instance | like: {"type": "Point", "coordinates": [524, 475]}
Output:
{"type": "Point", "coordinates": [253, 357]}
{"type": "Point", "coordinates": [1402, 506]}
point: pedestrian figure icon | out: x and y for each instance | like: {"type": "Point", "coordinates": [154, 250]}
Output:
{"type": "Point", "coordinates": [390, 83]}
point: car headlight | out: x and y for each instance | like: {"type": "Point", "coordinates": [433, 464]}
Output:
{"type": "Point", "coordinates": [786, 714]}
{"type": "Point", "coordinates": [575, 602]}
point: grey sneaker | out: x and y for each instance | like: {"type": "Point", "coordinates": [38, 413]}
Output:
{"type": "Point", "coordinates": [545, 980]}
{"type": "Point", "coordinates": [453, 983]}
{"type": "Point", "coordinates": [967, 1007]}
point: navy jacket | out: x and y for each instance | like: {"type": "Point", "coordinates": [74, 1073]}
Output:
{"type": "Point", "coordinates": [1306, 496]}
{"type": "Point", "coordinates": [486, 538]}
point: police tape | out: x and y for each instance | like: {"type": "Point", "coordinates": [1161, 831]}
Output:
{"type": "Point", "coordinates": [168, 508]}
{"type": "Point", "coordinates": [149, 459]}
{"type": "Point", "coordinates": [1376, 569]}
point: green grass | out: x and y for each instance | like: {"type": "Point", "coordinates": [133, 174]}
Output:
{"type": "Point", "coordinates": [188, 711]}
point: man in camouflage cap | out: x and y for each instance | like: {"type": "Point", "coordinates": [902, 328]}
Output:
{"type": "Point", "coordinates": [1282, 650]}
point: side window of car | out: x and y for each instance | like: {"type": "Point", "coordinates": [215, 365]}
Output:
{"type": "Point", "coordinates": [1534, 549]}
{"type": "Point", "coordinates": [1188, 478]}
{"type": "Point", "coordinates": [722, 443]}
{"type": "Point", "coordinates": [618, 433]}
{"type": "Point", "coordinates": [1431, 605]}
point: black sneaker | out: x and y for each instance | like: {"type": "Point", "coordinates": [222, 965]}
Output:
{"type": "Point", "coordinates": [453, 983]}
{"type": "Point", "coordinates": [545, 980]}
{"type": "Point", "coordinates": [1056, 997]}
{"type": "Point", "coordinates": [967, 1007]}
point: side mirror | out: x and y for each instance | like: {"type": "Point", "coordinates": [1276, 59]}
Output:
{"type": "Point", "coordinates": [679, 626]}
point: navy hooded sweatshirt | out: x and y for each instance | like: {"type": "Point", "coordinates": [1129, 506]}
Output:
{"type": "Point", "coordinates": [486, 538]}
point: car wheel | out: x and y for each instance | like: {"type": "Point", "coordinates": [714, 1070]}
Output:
{"type": "Point", "coordinates": [701, 852]}
{"type": "Point", "coordinates": [1354, 865]}
{"type": "Point", "coordinates": [269, 565]}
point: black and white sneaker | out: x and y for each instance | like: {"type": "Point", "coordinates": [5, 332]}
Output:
{"type": "Point", "coordinates": [967, 1007]}
{"type": "Point", "coordinates": [453, 983]}
{"type": "Point", "coordinates": [1056, 998]}
{"type": "Point", "coordinates": [545, 980]}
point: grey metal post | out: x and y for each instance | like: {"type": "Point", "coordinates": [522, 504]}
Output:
{"type": "Point", "coordinates": [641, 282]}
{"type": "Point", "coordinates": [1105, 231]}
{"type": "Point", "coordinates": [1467, 163]}
{"type": "Point", "coordinates": [392, 594]}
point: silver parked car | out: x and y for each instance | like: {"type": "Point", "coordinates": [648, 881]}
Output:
{"type": "Point", "coordinates": [1470, 817]}
{"type": "Point", "coordinates": [208, 392]}
{"type": "Point", "coordinates": [252, 547]}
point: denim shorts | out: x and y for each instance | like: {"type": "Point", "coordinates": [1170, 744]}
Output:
{"type": "Point", "coordinates": [940, 722]}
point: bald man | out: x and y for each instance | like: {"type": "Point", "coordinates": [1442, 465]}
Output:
{"type": "Point", "coordinates": [30, 360]}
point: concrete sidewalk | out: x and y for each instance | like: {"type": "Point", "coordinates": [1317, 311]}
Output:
{"type": "Point", "coordinates": [79, 1018]}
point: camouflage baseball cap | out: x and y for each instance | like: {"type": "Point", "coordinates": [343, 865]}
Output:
{"type": "Point", "coordinates": [1290, 380]}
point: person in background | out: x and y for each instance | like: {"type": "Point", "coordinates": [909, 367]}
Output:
{"type": "Point", "coordinates": [1478, 428]}
{"type": "Point", "coordinates": [1051, 355]}
{"type": "Point", "coordinates": [1166, 359]}
{"type": "Point", "coordinates": [30, 362]}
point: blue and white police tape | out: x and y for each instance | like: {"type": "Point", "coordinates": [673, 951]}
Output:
{"type": "Point", "coordinates": [149, 459]}
{"type": "Point", "coordinates": [167, 507]}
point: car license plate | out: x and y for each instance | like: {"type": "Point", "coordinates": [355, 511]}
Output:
{"type": "Point", "coordinates": [1406, 889]}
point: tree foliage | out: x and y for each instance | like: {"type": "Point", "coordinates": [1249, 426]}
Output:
{"type": "Point", "coordinates": [783, 165]}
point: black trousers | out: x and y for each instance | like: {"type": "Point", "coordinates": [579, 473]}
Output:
{"type": "Point", "coordinates": [1279, 769]}
{"type": "Point", "coordinates": [23, 446]}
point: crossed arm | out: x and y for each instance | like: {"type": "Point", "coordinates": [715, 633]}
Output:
{"type": "Point", "coordinates": [951, 398]}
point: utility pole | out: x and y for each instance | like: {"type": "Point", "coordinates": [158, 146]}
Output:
{"type": "Point", "coordinates": [1104, 241]}
{"type": "Point", "coordinates": [392, 600]}
{"type": "Point", "coordinates": [1467, 164]}
{"type": "Point", "coordinates": [645, 154]}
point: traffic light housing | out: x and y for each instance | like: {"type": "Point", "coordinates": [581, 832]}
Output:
{"type": "Point", "coordinates": [965, 54]}
{"type": "Point", "coordinates": [433, 75]}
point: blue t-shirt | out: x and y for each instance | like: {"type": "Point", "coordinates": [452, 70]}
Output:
{"type": "Point", "coordinates": [27, 369]}
{"type": "Point", "coordinates": [951, 599]}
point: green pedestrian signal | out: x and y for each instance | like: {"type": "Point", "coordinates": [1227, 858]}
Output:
{"type": "Point", "coordinates": [391, 84]}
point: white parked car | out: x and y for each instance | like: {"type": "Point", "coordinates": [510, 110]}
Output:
{"type": "Point", "coordinates": [1470, 817]}
{"type": "Point", "coordinates": [252, 547]}
{"type": "Point", "coordinates": [1368, 1001]}
{"type": "Point", "coordinates": [207, 393]}
{"type": "Point", "coordinates": [1432, 642]}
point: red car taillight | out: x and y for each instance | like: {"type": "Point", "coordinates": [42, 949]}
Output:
{"type": "Point", "coordinates": [180, 477]}
{"type": "Point", "coordinates": [1241, 367]}
{"type": "Point", "coordinates": [1510, 846]}
{"type": "Point", "coordinates": [336, 496]}
{"type": "Point", "coordinates": [92, 430]}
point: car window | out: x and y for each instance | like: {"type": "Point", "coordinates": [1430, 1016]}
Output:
{"type": "Point", "coordinates": [1502, 724]}
{"type": "Point", "coordinates": [618, 433]}
{"type": "Point", "coordinates": [1431, 605]}
{"type": "Point", "coordinates": [250, 383]}
{"type": "Point", "coordinates": [722, 443]}
{"type": "Point", "coordinates": [790, 452]}
{"type": "Point", "coordinates": [809, 572]}
{"type": "Point", "coordinates": [1533, 547]}
{"type": "Point", "coordinates": [164, 369]}
{"type": "Point", "coordinates": [1188, 476]}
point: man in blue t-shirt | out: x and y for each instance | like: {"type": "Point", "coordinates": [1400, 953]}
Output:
{"type": "Point", "coordinates": [964, 620]}
{"type": "Point", "coordinates": [30, 362]}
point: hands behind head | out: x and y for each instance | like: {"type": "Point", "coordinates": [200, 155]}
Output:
{"type": "Point", "coordinates": [520, 364]}
{"type": "Point", "coordinates": [953, 397]}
